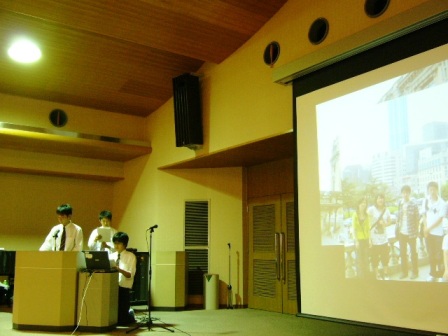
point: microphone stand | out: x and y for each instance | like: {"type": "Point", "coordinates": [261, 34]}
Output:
{"type": "Point", "coordinates": [149, 323]}
{"type": "Point", "coordinates": [229, 287]}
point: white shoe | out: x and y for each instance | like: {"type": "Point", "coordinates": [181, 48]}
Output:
{"type": "Point", "coordinates": [132, 314]}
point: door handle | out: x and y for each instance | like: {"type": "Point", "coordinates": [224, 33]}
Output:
{"type": "Point", "coordinates": [277, 255]}
{"type": "Point", "coordinates": [282, 257]}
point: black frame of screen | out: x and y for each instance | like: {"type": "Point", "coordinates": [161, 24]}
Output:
{"type": "Point", "coordinates": [426, 38]}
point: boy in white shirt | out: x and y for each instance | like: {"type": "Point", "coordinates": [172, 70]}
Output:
{"type": "Point", "coordinates": [126, 265]}
{"type": "Point", "coordinates": [96, 241]}
{"type": "Point", "coordinates": [434, 209]}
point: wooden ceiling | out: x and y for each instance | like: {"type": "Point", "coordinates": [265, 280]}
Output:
{"type": "Point", "coordinates": [121, 55]}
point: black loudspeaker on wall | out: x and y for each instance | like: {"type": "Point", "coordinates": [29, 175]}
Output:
{"type": "Point", "coordinates": [187, 111]}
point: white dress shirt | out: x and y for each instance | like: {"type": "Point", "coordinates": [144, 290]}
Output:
{"type": "Point", "coordinates": [73, 238]}
{"type": "Point", "coordinates": [128, 262]}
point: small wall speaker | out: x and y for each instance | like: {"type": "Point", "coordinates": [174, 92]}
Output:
{"type": "Point", "coordinates": [187, 111]}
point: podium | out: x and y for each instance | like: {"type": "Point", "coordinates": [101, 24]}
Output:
{"type": "Point", "coordinates": [97, 301]}
{"type": "Point", "coordinates": [45, 290]}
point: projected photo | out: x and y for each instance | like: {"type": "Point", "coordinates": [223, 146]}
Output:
{"type": "Point", "coordinates": [383, 176]}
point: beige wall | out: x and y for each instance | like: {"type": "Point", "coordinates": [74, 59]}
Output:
{"type": "Point", "coordinates": [240, 104]}
{"type": "Point", "coordinates": [28, 206]}
{"type": "Point", "coordinates": [149, 196]}
{"type": "Point", "coordinates": [28, 202]}
{"type": "Point", "coordinates": [35, 113]}
{"type": "Point", "coordinates": [346, 20]}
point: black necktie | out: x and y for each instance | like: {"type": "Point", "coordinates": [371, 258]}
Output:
{"type": "Point", "coordinates": [62, 246]}
{"type": "Point", "coordinates": [118, 260]}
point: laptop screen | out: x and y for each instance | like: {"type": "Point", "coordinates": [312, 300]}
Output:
{"type": "Point", "coordinates": [98, 261]}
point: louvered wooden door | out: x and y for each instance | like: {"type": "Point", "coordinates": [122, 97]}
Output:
{"type": "Point", "coordinates": [272, 269]}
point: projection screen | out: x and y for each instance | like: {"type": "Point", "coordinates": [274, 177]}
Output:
{"type": "Point", "coordinates": [367, 126]}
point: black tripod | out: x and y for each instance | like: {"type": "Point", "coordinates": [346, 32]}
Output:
{"type": "Point", "coordinates": [148, 323]}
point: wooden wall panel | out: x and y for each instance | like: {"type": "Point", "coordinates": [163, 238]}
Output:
{"type": "Point", "coordinates": [272, 178]}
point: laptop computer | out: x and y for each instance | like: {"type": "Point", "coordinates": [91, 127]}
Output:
{"type": "Point", "coordinates": [98, 261]}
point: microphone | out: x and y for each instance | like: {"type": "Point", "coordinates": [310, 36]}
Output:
{"type": "Point", "coordinates": [56, 234]}
{"type": "Point", "coordinates": [153, 227]}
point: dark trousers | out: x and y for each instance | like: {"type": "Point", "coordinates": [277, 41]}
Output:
{"type": "Point", "coordinates": [435, 254]}
{"type": "Point", "coordinates": [380, 253]}
{"type": "Point", "coordinates": [404, 241]}
{"type": "Point", "coordinates": [124, 304]}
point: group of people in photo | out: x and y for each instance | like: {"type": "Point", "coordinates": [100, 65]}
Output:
{"type": "Point", "coordinates": [416, 225]}
{"type": "Point", "coordinates": [68, 236]}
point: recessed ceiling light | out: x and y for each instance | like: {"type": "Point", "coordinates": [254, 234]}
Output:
{"type": "Point", "coordinates": [24, 51]}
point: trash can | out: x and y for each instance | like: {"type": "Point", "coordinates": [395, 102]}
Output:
{"type": "Point", "coordinates": [211, 291]}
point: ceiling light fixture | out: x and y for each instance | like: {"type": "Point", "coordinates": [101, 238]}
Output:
{"type": "Point", "coordinates": [24, 51]}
